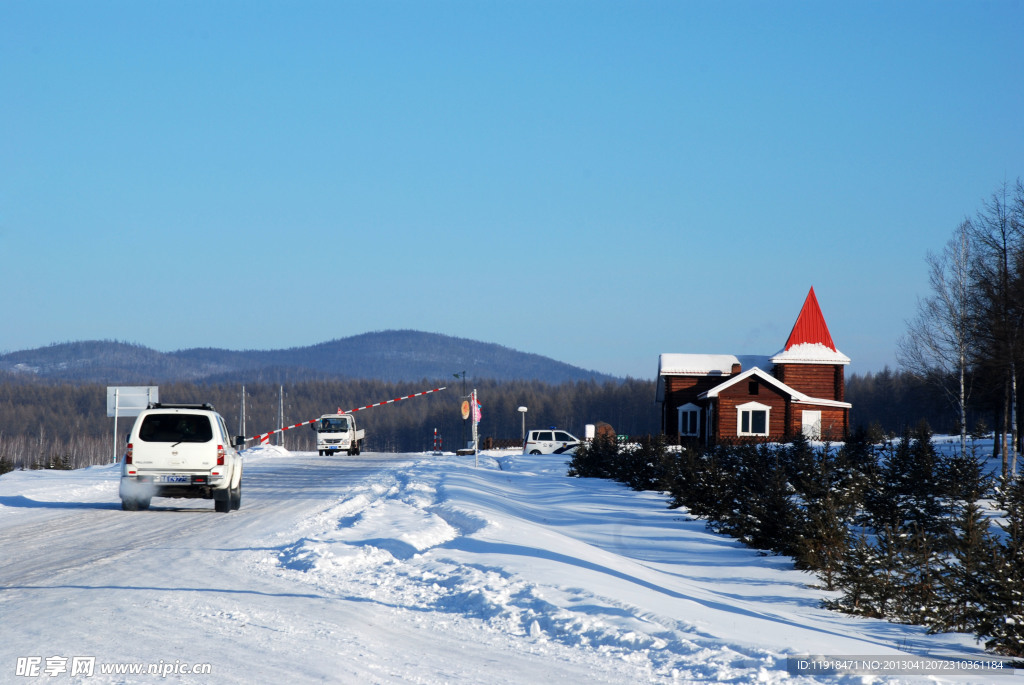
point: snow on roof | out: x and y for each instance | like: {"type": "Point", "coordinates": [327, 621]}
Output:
{"type": "Point", "coordinates": [810, 353]}
{"type": "Point", "coordinates": [696, 364]}
{"type": "Point", "coordinates": [709, 364]}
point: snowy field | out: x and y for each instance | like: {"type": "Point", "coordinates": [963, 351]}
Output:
{"type": "Point", "coordinates": [408, 568]}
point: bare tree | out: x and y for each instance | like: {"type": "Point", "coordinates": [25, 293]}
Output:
{"type": "Point", "coordinates": [998, 236]}
{"type": "Point", "coordinates": [937, 346]}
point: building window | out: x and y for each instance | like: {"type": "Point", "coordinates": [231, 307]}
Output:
{"type": "Point", "coordinates": [752, 419]}
{"type": "Point", "coordinates": [752, 387]}
{"type": "Point", "coordinates": [689, 420]}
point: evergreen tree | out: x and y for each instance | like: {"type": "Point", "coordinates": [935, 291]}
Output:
{"type": "Point", "coordinates": [802, 463]}
{"type": "Point", "coordinates": [908, 488]}
{"type": "Point", "coordinates": [923, 489]}
{"type": "Point", "coordinates": [684, 470]}
{"type": "Point", "coordinates": [831, 496]}
{"type": "Point", "coordinates": [889, 572]}
{"type": "Point", "coordinates": [595, 459]}
{"type": "Point", "coordinates": [966, 572]}
{"type": "Point", "coordinates": [822, 546]}
{"type": "Point", "coordinates": [770, 517]}
{"type": "Point", "coordinates": [730, 489]}
{"type": "Point", "coordinates": [719, 498]}
{"type": "Point", "coordinates": [968, 546]}
{"type": "Point", "coordinates": [705, 481]}
{"type": "Point", "coordinates": [858, 581]}
{"type": "Point", "coordinates": [881, 494]}
{"type": "Point", "coordinates": [917, 581]}
{"type": "Point", "coordinates": [642, 466]}
{"type": "Point", "coordinates": [1002, 616]}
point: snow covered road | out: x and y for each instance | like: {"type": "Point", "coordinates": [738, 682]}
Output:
{"type": "Point", "coordinates": [404, 568]}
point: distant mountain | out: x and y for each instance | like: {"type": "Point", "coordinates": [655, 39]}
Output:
{"type": "Point", "coordinates": [385, 355]}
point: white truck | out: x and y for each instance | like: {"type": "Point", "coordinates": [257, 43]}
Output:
{"type": "Point", "coordinates": [337, 432]}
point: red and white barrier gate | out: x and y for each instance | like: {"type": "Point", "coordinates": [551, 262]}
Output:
{"type": "Point", "coordinates": [265, 437]}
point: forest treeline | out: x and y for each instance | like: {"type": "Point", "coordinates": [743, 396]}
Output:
{"type": "Point", "coordinates": [888, 402]}
{"type": "Point", "coordinates": [65, 424]}
{"type": "Point", "coordinates": [45, 425]}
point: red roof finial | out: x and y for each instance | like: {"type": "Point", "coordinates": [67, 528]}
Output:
{"type": "Point", "coordinates": [810, 326]}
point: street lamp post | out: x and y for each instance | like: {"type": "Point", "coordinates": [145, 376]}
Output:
{"type": "Point", "coordinates": [522, 410]}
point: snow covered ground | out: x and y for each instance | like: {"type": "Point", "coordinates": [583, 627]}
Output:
{"type": "Point", "coordinates": [408, 568]}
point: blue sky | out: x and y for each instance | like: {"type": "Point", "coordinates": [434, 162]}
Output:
{"type": "Point", "coordinates": [598, 182]}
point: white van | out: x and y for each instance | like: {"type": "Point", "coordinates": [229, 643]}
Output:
{"type": "Point", "coordinates": [550, 441]}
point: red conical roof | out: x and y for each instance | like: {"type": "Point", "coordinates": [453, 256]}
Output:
{"type": "Point", "coordinates": [810, 327]}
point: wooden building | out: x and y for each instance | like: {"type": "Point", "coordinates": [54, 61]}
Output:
{"type": "Point", "coordinates": [715, 398]}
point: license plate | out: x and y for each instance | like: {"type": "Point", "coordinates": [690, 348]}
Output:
{"type": "Point", "coordinates": [172, 479]}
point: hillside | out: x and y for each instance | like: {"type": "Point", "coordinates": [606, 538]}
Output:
{"type": "Point", "coordinates": [383, 355]}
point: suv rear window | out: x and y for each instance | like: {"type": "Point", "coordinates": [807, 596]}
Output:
{"type": "Point", "coordinates": [176, 428]}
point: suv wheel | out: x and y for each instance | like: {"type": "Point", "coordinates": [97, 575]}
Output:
{"type": "Point", "coordinates": [235, 497]}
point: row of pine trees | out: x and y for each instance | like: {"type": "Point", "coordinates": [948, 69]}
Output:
{"type": "Point", "coordinates": [897, 530]}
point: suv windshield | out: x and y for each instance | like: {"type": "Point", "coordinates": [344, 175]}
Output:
{"type": "Point", "coordinates": [176, 428]}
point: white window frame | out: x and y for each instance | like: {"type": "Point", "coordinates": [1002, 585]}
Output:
{"type": "Point", "coordinates": [749, 408]}
{"type": "Point", "coordinates": [685, 409]}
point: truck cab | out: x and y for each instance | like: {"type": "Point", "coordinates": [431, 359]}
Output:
{"type": "Point", "coordinates": [337, 432]}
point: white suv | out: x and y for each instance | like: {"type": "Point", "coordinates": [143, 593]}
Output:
{"type": "Point", "coordinates": [181, 450]}
{"type": "Point", "coordinates": [550, 441]}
